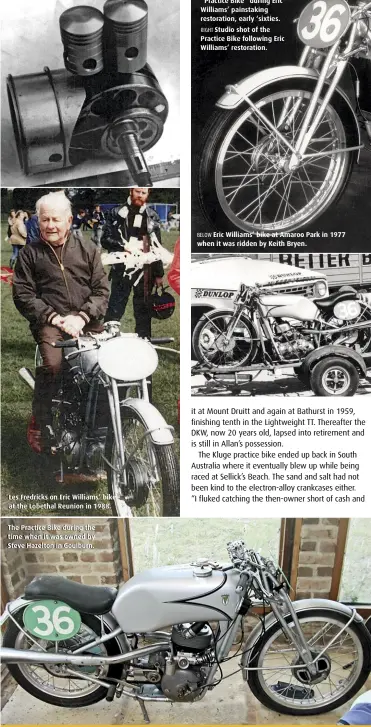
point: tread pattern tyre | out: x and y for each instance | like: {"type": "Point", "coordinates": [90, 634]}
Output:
{"type": "Point", "coordinates": [209, 165]}
{"type": "Point", "coordinates": [165, 500]}
{"type": "Point", "coordinates": [96, 695]}
{"type": "Point", "coordinates": [334, 376]}
{"type": "Point", "coordinates": [359, 632]}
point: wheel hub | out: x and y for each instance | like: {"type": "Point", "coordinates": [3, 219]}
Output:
{"type": "Point", "coordinates": [136, 489]}
{"type": "Point", "coordinates": [303, 675]}
{"type": "Point", "coordinates": [266, 154]}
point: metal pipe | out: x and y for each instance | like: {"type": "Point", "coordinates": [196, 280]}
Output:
{"type": "Point", "coordinates": [15, 656]}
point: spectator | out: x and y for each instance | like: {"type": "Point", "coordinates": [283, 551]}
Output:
{"type": "Point", "coordinates": [18, 236]}
{"type": "Point", "coordinates": [32, 227]}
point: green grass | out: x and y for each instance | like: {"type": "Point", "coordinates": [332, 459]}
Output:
{"type": "Point", "coordinates": [25, 473]}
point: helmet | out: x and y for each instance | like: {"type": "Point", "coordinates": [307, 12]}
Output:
{"type": "Point", "coordinates": [163, 303]}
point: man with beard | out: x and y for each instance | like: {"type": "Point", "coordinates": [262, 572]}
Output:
{"type": "Point", "coordinates": [60, 287]}
{"type": "Point", "coordinates": [128, 229]}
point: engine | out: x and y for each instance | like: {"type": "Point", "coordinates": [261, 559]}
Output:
{"type": "Point", "coordinates": [68, 418]}
{"type": "Point", "coordinates": [181, 674]}
{"type": "Point", "coordinates": [291, 344]}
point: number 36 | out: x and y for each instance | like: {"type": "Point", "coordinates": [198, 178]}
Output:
{"type": "Point", "coordinates": [323, 22]}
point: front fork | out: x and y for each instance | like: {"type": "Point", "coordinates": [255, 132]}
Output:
{"type": "Point", "coordinates": [314, 115]}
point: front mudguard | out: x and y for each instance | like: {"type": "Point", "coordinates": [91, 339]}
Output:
{"type": "Point", "coordinates": [233, 95]}
{"type": "Point", "coordinates": [158, 430]}
{"type": "Point", "coordinates": [298, 606]}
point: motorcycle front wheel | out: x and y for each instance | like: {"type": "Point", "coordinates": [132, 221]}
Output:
{"type": "Point", "coordinates": [244, 180]}
{"type": "Point", "coordinates": [149, 484]}
{"type": "Point", "coordinates": [214, 348]}
{"type": "Point", "coordinates": [47, 683]}
{"type": "Point", "coordinates": [281, 682]}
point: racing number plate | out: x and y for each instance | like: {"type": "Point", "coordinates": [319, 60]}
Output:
{"type": "Point", "coordinates": [323, 22]}
{"type": "Point", "coordinates": [348, 310]}
{"type": "Point", "coordinates": [51, 620]}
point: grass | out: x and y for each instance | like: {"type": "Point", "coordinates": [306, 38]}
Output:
{"type": "Point", "coordinates": [25, 473]}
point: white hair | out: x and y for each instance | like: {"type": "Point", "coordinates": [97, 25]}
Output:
{"type": "Point", "coordinates": [54, 200]}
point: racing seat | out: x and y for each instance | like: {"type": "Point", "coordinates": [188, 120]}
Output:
{"type": "Point", "coordinates": [86, 599]}
{"type": "Point", "coordinates": [345, 293]}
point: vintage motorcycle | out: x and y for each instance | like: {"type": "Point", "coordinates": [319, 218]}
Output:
{"type": "Point", "coordinates": [103, 425]}
{"type": "Point", "coordinates": [165, 634]}
{"type": "Point", "coordinates": [272, 330]}
{"type": "Point", "coordinates": [279, 150]}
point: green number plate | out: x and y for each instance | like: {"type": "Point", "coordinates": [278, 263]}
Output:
{"type": "Point", "coordinates": [51, 620]}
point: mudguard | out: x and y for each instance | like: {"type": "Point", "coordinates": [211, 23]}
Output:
{"type": "Point", "coordinates": [108, 620]}
{"type": "Point", "coordinates": [298, 606]}
{"type": "Point", "coordinates": [160, 432]}
{"type": "Point", "coordinates": [329, 351]}
{"type": "Point", "coordinates": [248, 86]}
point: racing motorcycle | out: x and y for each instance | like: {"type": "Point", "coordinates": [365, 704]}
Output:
{"type": "Point", "coordinates": [104, 427]}
{"type": "Point", "coordinates": [272, 330]}
{"type": "Point", "coordinates": [279, 150]}
{"type": "Point", "coordinates": [165, 634]}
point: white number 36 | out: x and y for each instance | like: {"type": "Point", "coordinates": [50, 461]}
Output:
{"type": "Point", "coordinates": [323, 22]}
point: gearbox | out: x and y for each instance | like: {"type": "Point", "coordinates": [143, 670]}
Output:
{"type": "Point", "coordinates": [105, 102]}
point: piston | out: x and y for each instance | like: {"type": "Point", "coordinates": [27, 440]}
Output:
{"type": "Point", "coordinates": [82, 37]}
{"type": "Point", "coordinates": [126, 35]}
{"type": "Point", "coordinates": [105, 103]}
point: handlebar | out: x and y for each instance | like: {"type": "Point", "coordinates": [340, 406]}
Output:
{"type": "Point", "coordinates": [242, 583]}
{"type": "Point", "coordinates": [71, 343]}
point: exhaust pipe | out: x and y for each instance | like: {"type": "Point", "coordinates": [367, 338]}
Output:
{"type": "Point", "coordinates": [18, 656]}
{"type": "Point", "coordinates": [27, 376]}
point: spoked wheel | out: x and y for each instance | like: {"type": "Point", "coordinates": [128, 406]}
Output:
{"type": "Point", "coordinates": [282, 682]}
{"type": "Point", "coordinates": [245, 180]}
{"type": "Point", "coordinates": [52, 683]}
{"type": "Point", "coordinates": [149, 484]}
{"type": "Point", "coordinates": [213, 346]}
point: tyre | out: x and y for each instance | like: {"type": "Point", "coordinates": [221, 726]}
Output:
{"type": "Point", "coordinates": [212, 347]}
{"type": "Point", "coordinates": [334, 376]}
{"type": "Point", "coordinates": [149, 487]}
{"type": "Point", "coordinates": [360, 339]}
{"type": "Point", "coordinates": [343, 668]}
{"type": "Point", "coordinates": [243, 176]}
{"type": "Point", "coordinates": [44, 682]}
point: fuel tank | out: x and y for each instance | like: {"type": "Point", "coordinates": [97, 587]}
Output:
{"type": "Point", "coordinates": [289, 306]}
{"type": "Point", "coordinates": [170, 595]}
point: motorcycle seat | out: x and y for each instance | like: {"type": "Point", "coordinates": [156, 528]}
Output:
{"type": "Point", "coordinates": [345, 293]}
{"type": "Point", "coordinates": [86, 599]}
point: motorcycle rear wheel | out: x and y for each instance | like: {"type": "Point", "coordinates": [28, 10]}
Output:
{"type": "Point", "coordinates": [33, 677]}
{"type": "Point", "coordinates": [243, 180]}
{"type": "Point", "coordinates": [212, 348]}
{"type": "Point", "coordinates": [349, 659]}
{"type": "Point", "coordinates": [152, 475]}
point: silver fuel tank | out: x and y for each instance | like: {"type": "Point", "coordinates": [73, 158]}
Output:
{"type": "Point", "coordinates": [170, 595]}
{"type": "Point", "coordinates": [289, 306]}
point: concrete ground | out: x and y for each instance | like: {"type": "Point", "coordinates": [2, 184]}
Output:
{"type": "Point", "coordinates": [230, 703]}
{"type": "Point", "coordinates": [283, 383]}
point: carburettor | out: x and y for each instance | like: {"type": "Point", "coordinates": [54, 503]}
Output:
{"type": "Point", "coordinates": [106, 102]}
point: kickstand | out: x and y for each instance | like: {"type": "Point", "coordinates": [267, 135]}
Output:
{"type": "Point", "coordinates": [144, 711]}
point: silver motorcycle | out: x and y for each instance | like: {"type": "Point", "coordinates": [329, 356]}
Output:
{"type": "Point", "coordinates": [280, 149]}
{"type": "Point", "coordinates": [104, 426]}
{"type": "Point", "coordinates": [166, 633]}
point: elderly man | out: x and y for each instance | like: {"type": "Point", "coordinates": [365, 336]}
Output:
{"type": "Point", "coordinates": [61, 288]}
{"type": "Point", "coordinates": [128, 228]}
